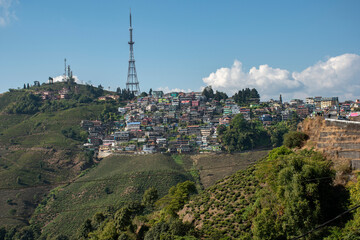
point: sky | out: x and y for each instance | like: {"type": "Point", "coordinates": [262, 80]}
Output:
{"type": "Point", "coordinates": [296, 48]}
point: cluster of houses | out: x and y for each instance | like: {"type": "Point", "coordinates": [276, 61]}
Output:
{"type": "Point", "coordinates": [180, 122]}
{"type": "Point", "coordinates": [63, 93]}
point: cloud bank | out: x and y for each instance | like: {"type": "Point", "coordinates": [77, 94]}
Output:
{"type": "Point", "coordinates": [168, 90]}
{"type": "Point", "coordinates": [6, 14]}
{"type": "Point", "coordinates": [338, 76]}
{"type": "Point", "coordinates": [61, 79]}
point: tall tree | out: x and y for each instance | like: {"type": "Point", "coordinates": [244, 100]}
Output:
{"type": "Point", "coordinates": [208, 92]}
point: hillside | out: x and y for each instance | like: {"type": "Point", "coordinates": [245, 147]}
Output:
{"type": "Point", "coordinates": [122, 178]}
{"type": "Point", "coordinates": [37, 156]}
{"type": "Point", "coordinates": [116, 180]}
{"type": "Point", "coordinates": [34, 152]}
{"type": "Point", "coordinates": [281, 197]}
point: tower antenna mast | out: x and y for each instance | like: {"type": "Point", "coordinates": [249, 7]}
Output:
{"type": "Point", "coordinates": [65, 69]}
{"type": "Point", "coordinates": [132, 83]}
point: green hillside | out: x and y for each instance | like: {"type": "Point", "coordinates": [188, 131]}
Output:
{"type": "Point", "coordinates": [115, 181]}
{"type": "Point", "coordinates": [281, 197]}
{"type": "Point", "coordinates": [34, 152]}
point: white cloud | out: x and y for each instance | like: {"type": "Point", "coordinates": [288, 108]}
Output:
{"type": "Point", "coordinates": [6, 12]}
{"type": "Point", "coordinates": [338, 76]}
{"type": "Point", "coordinates": [61, 79]}
{"type": "Point", "coordinates": [168, 90]}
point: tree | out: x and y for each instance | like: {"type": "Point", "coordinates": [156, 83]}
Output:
{"type": "Point", "coordinates": [351, 229]}
{"type": "Point", "coordinates": [150, 196]}
{"type": "Point", "coordinates": [220, 96]}
{"type": "Point", "coordinates": [277, 133]}
{"type": "Point", "coordinates": [97, 219]}
{"type": "Point", "coordinates": [176, 198]}
{"type": "Point", "coordinates": [118, 91]}
{"type": "Point", "coordinates": [84, 99]}
{"type": "Point", "coordinates": [246, 96]}
{"type": "Point", "coordinates": [150, 92]}
{"type": "Point", "coordinates": [100, 91]}
{"type": "Point", "coordinates": [85, 229]}
{"type": "Point", "coordinates": [295, 139]}
{"type": "Point", "coordinates": [143, 94]}
{"type": "Point", "coordinates": [28, 86]}
{"type": "Point", "coordinates": [243, 135]}
{"type": "Point", "coordinates": [221, 129]}
{"type": "Point", "coordinates": [24, 86]}
{"type": "Point", "coordinates": [292, 200]}
{"type": "Point", "coordinates": [254, 93]}
{"type": "Point", "coordinates": [208, 92]}
{"type": "Point", "coordinates": [27, 104]}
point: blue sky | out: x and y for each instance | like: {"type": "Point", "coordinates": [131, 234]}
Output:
{"type": "Point", "coordinates": [275, 46]}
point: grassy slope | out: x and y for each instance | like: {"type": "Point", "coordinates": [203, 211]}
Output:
{"type": "Point", "coordinates": [33, 149]}
{"type": "Point", "coordinates": [127, 177]}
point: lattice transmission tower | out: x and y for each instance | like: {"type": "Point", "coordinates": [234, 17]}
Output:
{"type": "Point", "coordinates": [132, 83]}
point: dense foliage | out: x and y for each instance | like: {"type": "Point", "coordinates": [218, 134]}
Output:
{"type": "Point", "coordinates": [281, 197]}
{"type": "Point", "coordinates": [208, 92]}
{"type": "Point", "coordinates": [295, 139]}
{"type": "Point", "coordinates": [351, 230]}
{"type": "Point", "coordinates": [29, 100]}
{"type": "Point", "coordinates": [297, 196]}
{"type": "Point", "coordinates": [134, 221]}
{"type": "Point", "coordinates": [25, 104]}
{"type": "Point", "coordinates": [109, 113]}
{"type": "Point", "coordinates": [246, 96]}
{"type": "Point", "coordinates": [243, 135]}
{"type": "Point", "coordinates": [220, 96]}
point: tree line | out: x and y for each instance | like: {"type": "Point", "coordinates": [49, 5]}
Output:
{"type": "Point", "coordinates": [242, 97]}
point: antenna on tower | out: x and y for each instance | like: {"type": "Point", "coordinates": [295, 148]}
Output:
{"type": "Point", "coordinates": [65, 69]}
{"type": "Point", "coordinates": [130, 18]}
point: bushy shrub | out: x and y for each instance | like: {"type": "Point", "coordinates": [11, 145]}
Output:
{"type": "Point", "coordinates": [295, 139]}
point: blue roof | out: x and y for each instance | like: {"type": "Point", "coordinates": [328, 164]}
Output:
{"type": "Point", "coordinates": [133, 123]}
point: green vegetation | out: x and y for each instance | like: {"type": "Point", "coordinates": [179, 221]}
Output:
{"type": "Point", "coordinates": [277, 132]}
{"type": "Point", "coordinates": [351, 230]}
{"type": "Point", "coordinates": [153, 196]}
{"type": "Point", "coordinates": [126, 178]}
{"type": "Point", "coordinates": [26, 104]}
{"type": "Point", "coordinates": [246, 96]}
{"type": "Point", "coordinates": [281, 197]}
{"type": "Point", "coordinates": [295, 139]}
{"type": "Point", "coordinates": [208, 92]}
{"type": "Point", "coordinates": [39, 147]}
{"type": "Point", "coordinates": [132, 222]}
{"type": "Point", "coordinates": [243, 135]}
{"type": "Point", "coordinates": [29, 101]}
{"type": "Point", "coordinates": [109, 113]}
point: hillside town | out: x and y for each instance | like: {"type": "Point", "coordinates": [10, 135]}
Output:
{"type": "Point", "coordinates": [180, 122]}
